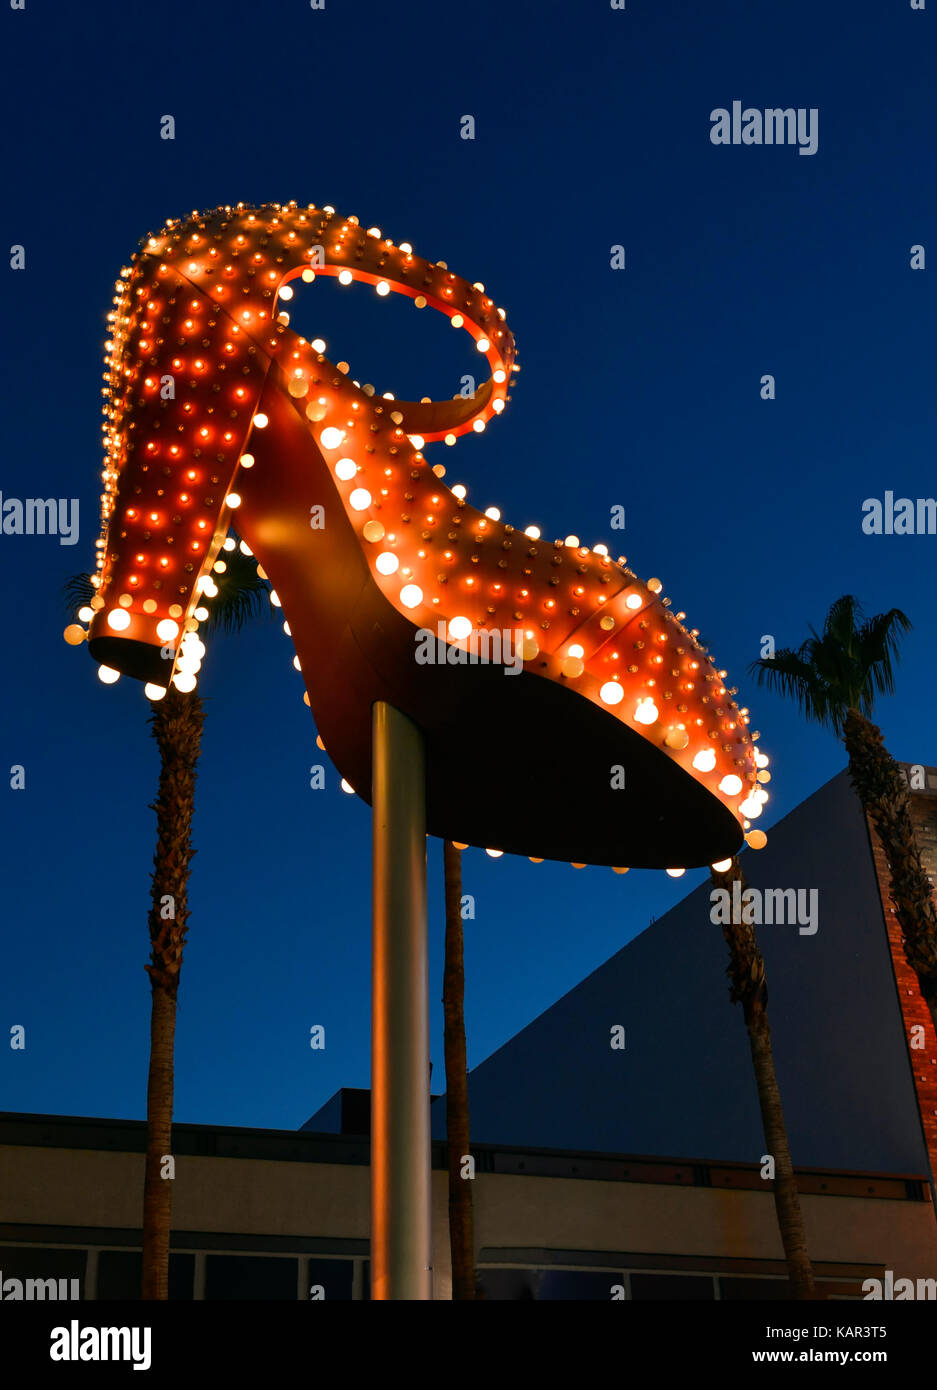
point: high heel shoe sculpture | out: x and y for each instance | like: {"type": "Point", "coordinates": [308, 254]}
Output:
{"type": "Point", "coordinates": [216, 411]}
{"type": "Point", "coordinates": [600, 733]}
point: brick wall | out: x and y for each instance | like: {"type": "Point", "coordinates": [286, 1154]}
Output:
{"type": "Point", "coordinates": [913, 1008]}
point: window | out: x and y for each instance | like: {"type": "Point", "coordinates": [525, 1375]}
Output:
{"type": "Point", "coordinates": [120, 1271]}
{"type": "Point", "coordinates": [37, 1262]}
{"type": "Point", "coordinates": [251, 1277]}
{"type": "Point", "coordinates": [548, 1285]}
{"type": "Point", "coordinates": [672, 1286]}
{"type": "Point", "coordinates": [507, 1284]}
{"type": "Point", "coordinates": [577, 1284]}
{"type": "Point", "coordinates": [770, 1289]}
{"type": "Point", "coordinates": [334, 1277]}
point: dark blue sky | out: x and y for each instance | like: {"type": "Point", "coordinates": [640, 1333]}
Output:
{"type": "Point", "coordinates": [638, 387]}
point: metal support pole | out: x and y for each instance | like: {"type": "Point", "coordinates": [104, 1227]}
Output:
{"type": "Point", "coordinates": [400, 1138]}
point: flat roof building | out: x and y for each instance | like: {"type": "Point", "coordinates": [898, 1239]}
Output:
{"type": "Point", "coordinates": [601, 1172]}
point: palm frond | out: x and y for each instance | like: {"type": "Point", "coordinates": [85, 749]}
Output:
{"type": "Point", "coordinates": [879, 645]}
{"type": "Point", "coordinates": [78, 592]}
{"type": "Point", "coordinates": [843, 667]}
{"type": "Point", "coordinates": [794, 674]}
{"type": "Point", "coordinates": [242, 595]}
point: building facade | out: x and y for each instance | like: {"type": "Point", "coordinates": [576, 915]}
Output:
{"type": "Point", "coordinates": [603, 1171]}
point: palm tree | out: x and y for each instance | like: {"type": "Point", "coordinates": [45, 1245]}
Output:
{"type": "Point", "coordinates": [176, 722]}
{"type": "Point", "coordinates": [835, 677]}
{"type": "Point", "coordinates": [461, 1225]}
{"type": "Point", "coordinates": [748, 987]}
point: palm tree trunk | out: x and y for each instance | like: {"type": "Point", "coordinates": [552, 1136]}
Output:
{"type": "Point", "coordinates": [748, 986]}
{"type": "Point", "coordinates": [881, 788]}
{"type": "Point", "coordinates": [177, 727]}
{"type": "Point", "coordinates": [461, 1224]}
{"type": "Point", "coordinates": [157, 1190]}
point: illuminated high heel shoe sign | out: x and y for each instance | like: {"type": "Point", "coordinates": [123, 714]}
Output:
{"type": "Point", "coordinates": [620, 744]}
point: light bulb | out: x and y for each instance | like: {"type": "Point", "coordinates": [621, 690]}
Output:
{"type": "Point", "coordinates": [750, 808]}
{"type": "Point", "coordinates": [411, 595]}
{"type": "Point", "coordinates": [154, 692]}
{"type": "Point", "coordinates": [756, 839]}
{"type": "Point", "coordinates": [184, 681]}
{"type": "Point", "coordinates": [345, 277]}
{"type": "Point", "coordinates": [705, 760]}
{"type": "Point", "coordinates": [233, 500]}
{"type": "Point", "coordinates": [675, 873]}
{"type": "Point", "coordinates": [493, 513]}
{"type": "Point", "coordinates": [360, 499]}
{"type": "Point", "coordinates": [260, 421]}
{"type": "Point", "coordinates": [460, 627]}
{"type": "Point", "coordinates": [330, 438]}
{"type": "Point", "coordinates": [247, 461]}
{"type": "Point", "coordinates": [167, 629]}
{"type": "Point", "coordinates": [118, 619]}
{"type": "Point", "coordinates": [346, 469]}
{"type": "Point", "coordinates": [731, 784]}
{"type": "Point", "coordinates": [495, 853]}
{"type": "Point", "coordinates": [108, 675]}
{"type": "Point", "coordinates": [633, 601]}
{"type": "Point", "coordinates": [533, 532]}
{"type": "Point", "coordinates": [722, 866]}
{"type": "Point", "coordinates": [386, 562]}
{"type": "Point", "coordinates": [611, 693]}
{"type": "Point", "coordinates": [382, 287]}
{"type": "Point", "coordinates": [646, 712]}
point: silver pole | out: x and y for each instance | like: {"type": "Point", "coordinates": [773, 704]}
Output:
{"type": "Point", "coordinates": [400, 1137]}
